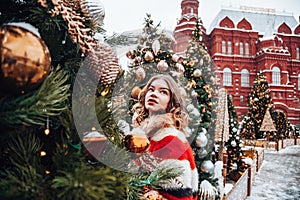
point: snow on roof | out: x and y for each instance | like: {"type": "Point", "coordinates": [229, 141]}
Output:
{"type": "Point", "coordinates": [121, 50]}
{"type": "Point", "coordinates": [259, 20]}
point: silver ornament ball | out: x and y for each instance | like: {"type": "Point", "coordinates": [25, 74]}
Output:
{"type": "Point", "coordinates": [207, 166]}
{"type": "Point", "coordinates": [94, 10]}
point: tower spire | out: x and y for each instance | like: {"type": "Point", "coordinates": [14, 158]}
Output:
{"type": "Point", "coordinates": [185, 26]}
{"type": "Point", "coordinates": [189, 7]}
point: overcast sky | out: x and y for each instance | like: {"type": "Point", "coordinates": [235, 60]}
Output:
{"type": "Point", "coordinates": [123, 15]}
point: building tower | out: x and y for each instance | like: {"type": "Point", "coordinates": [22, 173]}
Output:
{"type": "Point", "coordinates": [186, 24]}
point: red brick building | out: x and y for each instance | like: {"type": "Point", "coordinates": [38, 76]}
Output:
{"type": "Point", "coordinates": [244, 41]}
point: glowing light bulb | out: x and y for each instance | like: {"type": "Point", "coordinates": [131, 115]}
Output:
{"type": "Point", "coordinates": [43, 153]}
{"type": "Point", "coordinates": [47, 131]}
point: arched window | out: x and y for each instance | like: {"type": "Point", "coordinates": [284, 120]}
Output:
{"type": "Point", "coordinates": [223, 47]}
{"type": "Point", "coordinates": [297, 54]}
{"type": "Point", "coordinates": [227, 79]}
{"type": "Point", "coordinates": [229, 43]}
{"type": "Point", "coordinates": [247, 49]}
{"type": "Point", "coordinates": [299, 82]}
{"type": "Point", "coordinates": [245, 78]}
{"type": "Point", "coordinates": [241, 48]}
{"type": "Point", "coordinates": [276, 76]}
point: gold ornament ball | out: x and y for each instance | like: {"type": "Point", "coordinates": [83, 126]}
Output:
{"type": "Point", "coordinates": [149, 56]}
{"type": "Point", "coordinates": [137, 143]}
{"type": "Point", "coordinates": [135, 92]}
{"type": "Point", "coordinates": [25, 59]}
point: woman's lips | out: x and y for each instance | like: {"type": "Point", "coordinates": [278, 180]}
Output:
{"type": "Point", "coordinates": [152, 101]}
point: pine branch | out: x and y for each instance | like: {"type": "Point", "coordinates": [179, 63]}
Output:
{"type": "Point", "coordinates": [90, 184]}
{"type": "Point", "coordinates": [32, 108]}
{"type": "Point", "coordinates": [155, 179]}
{"type": "Point", "coordinates": [23, 180]}
{"type": "Point", "coordinates": [121, 40]}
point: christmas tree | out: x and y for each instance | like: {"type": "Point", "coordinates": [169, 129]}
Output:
{"type": "Point", "coordinates": [233, 145]}
{"type": "Point", "coordinates": [58, 84]}
{"type": "Point", "coordinates": [195, 76]}
{"type": "Point", "coordinates": [259, 102]}
{"type": "Point", "coordinates": [282, 125]}
{"type": "Point", "coordinates": [202, 86]}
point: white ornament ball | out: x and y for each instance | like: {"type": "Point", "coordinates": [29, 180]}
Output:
{"type": "Point", "coordinates": [201, 140]}
{"type": "Point", "coordinates": [140, 74]}
{"type": "Point", "coordinates": [175, 57]}
{"type": "Point", "coordinates": [201, 62]}
{"type": "Point", "coordinates": [197, 73]}
{"type": "Point", "coordinates": [233, 143]}
{"type": "Point", "coordinates": [188, 132]}
{"type": "Point", "coordinates": [190, 107]}
{"type": "Point", "coordinates": [204, 130]}
{"type": "Point", "coordinates": [207, 166]}
{"type": "Point", "coordinates": [202, 153]}
{"type": "Point", "coordinates": [183, 92]}
{"type": "Point", "coordinates": [162, 65]}
{"type": "Point", "coordinates": [195, 94]}
{"type": "Point", "coordinates": [180, 68]}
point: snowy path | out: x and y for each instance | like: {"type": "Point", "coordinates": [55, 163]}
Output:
{"type": "Point", "coordinates": [279, 176]}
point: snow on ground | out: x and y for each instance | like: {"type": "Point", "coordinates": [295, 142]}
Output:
{"type": "Point", "coordinates": [279, 176]}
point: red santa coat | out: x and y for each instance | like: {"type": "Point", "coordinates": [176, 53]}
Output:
{"type": "Point", "coordinates": [172, 147]}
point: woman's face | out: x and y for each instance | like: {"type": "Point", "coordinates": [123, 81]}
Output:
{"type": "Point", "coordinates": [157, 97]}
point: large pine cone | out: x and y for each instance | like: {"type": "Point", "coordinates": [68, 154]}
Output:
{"type": "Point", "coordinates": [104, 64]}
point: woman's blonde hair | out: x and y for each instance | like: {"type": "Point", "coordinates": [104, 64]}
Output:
{"type": "Point", "coordinates": [176, 105]}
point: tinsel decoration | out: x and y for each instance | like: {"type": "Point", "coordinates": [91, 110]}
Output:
{"type": "Point", "coordinates": [94, 10]}
{"type": "Point", "coordinates": [103, 63]}
{"type": "Point", "coordinates": [222, 124]}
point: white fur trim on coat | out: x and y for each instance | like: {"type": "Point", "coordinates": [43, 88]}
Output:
{"type": "Point", "coordinates": [172, 131]}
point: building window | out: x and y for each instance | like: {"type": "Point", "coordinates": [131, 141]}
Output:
{"type": "Point", "coordinates": [245, 78]}
{"type": "Point", "coordinates": [229, 47]}
{"type": "Point", "coordinates": [241, 48]}
{"type": "Point", "coordinates": [299, 82]}
{"type": "Point", "coordinates": [297, 54]}
{"type": "Point", "coordinates": [223, 47]}
{"type": "Point", "coordinates": [276, 76]}
{"type": "Point", "coordinates": [227, 78]}
{"type": "Point", "coordinates": [247, 49]}
{"type": "Point", "coordinates": [242, 99]}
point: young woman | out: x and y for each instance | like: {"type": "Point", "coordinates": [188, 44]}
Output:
{"type": "Point", "coordinates": [161, 114]}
